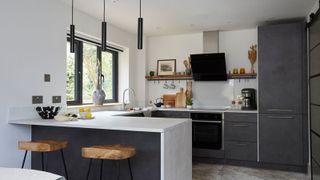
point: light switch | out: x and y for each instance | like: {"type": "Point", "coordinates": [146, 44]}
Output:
{"type": "Point", "coordinates": [37, 99]}
{"type": "Point", "coordinates": [56, 99]}
{"type": "Point", "coordinates": [47, 78]}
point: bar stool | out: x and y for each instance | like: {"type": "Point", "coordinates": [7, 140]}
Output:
{"type": "Point", "coordinates": [44, 147]}
{"type": "Point", "coordinates": [115, 152]}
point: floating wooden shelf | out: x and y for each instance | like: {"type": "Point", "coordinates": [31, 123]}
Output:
{"type": "Point", "coordinates": [186, 77]}
{"type": "Point", "coordinates": [171, 77]}
{"type": "Point", "coordinates": [242, 76]}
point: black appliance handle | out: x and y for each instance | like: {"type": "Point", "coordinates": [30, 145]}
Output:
{"type": "Point", "coordinates": [212, 122]}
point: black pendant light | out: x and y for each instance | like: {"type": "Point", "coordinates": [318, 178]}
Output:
{"type": "Point", "coordinates": [140, 30]}
{"type": "Point", "coordinates": [72, 32]}
{"type": "Point", "coordinates": [104, 29]}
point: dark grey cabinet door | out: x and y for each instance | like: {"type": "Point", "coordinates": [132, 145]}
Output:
{"type": "Point", "coordinates": [281, 139]}
{"type": "Point", "coordinates": [281, 53]}
{"type": "Point", "coordinates": [171, 114]}
{"type": "Point", "coordinates": [315, 170]}
{"type": "Point", "coordinates": [315, 118]}
{"type": "Point", "coordinates": [315, 34]}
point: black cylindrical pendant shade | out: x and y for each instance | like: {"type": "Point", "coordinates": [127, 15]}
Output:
{"type": "Point", "coordinates": [140, 33]}
{"type": "Point", "coordinates": [72, 38]}
{"type": "Point", "coordinates": [104, 36]}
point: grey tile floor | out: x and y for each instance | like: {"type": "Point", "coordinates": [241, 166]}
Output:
{"type": "Point", "coordinates": [226, 172]}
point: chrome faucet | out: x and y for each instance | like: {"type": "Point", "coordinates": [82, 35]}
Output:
{"type": "Point", "coordinates": [123, 96]}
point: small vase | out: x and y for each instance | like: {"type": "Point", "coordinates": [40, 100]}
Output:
{"type": "Point", "coordinates": [189, 106]}
{"type": "Point", "coordinates": [98, 97]}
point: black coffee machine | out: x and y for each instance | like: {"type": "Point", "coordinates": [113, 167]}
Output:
{"type": "Point", "coordinates": [249, 99]}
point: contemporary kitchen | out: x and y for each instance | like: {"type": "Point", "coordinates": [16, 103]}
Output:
{"type": "Point", "coordinates": [160, 90]}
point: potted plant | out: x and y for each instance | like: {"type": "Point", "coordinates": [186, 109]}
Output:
{"type": "Point", "coordinates": [189, 103]}
{"type": "Point", "coordinates": [152, 73]}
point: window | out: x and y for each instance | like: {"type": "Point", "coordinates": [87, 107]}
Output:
{"type": "Point", "coordinates": [82, 73]}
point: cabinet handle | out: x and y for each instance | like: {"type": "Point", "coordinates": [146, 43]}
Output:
{"type": "Point", "coordinates": [240, 125]}
{"type": "Point", "coordinates": [280, 117]}
{"type": "Point", "coordinates": [281, 110]}
{"type": "Point", "coordinates": [240, 115]}
{"type": "Point", "coordinates": [239, 144]}
{"type": "Point", "coordinates": [204, 121]}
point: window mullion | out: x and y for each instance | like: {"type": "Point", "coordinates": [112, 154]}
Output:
{"type": "Point", "coordinates": [80, 72]}
{"type": "Point", "coordinates": [115, 75]}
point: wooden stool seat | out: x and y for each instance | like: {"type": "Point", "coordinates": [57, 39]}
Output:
{"type": "Point", "coordinates": [42, 145]}
{"type": "Point", "coordinates": [109, 152]}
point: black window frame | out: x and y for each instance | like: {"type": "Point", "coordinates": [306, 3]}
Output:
{"type": "Point", "coordinates": [79, 71]}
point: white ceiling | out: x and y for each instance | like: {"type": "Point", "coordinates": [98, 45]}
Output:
{"type": "Point", "coordinates": [162, 17]}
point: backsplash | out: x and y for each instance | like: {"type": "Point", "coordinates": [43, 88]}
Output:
{"type": "Point", "coordinates": [206, 94]}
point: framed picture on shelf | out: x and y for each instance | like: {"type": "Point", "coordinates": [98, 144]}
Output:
{"type": "Point", "coordinates": [166, 67]}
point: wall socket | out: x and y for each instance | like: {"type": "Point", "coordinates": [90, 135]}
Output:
{"type": "Point", "coordinates": [56, 99]}
{"type": "Point", "coordinates": [37, 99]}
{"type": "Point", "coordinates": [47, 78]}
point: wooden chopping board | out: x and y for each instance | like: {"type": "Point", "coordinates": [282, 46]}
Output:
{"type": "Point", "coordinates": [169, 99]}
{"type": "Point", "coordinates": [181, 99]}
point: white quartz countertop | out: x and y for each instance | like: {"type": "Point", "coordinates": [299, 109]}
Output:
{"type": "Point", "coordinates": [109, 120]}
{"type": "Point", "coordinates": [222, 110]}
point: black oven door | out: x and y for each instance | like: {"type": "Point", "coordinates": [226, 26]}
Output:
{"type": "Point", "coordinates": [207, 135]}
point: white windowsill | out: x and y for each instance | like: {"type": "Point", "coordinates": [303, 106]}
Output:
{"type": "Point", "coordinates": [104, 107]}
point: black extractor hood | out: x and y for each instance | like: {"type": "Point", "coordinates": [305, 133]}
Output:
{"type": "Point", "coordinates": [209, 67]}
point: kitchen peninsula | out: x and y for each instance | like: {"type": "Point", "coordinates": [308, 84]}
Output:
{"type": "Point", "coordinates": [164, 147]}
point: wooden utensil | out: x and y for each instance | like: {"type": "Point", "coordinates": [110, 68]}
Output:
{"type": "Point", "coordinates": [169, 99]}
{"type": "Point", "coordinates": [181, 99]}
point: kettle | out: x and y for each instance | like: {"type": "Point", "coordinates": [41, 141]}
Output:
{"type": "Point", "coordinates": [158, 104]}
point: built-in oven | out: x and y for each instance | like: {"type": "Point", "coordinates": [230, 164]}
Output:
{"type": "Point", "coordinates": [207, 131]}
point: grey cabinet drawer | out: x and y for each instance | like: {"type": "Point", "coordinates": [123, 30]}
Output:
{"type": "Point", "coordinates": [241, 151]}
{"type": "Point", "coordinates": [240, 117]}
{"type": "Point", "coordinates": [281, 139]}
{"type": "Point", "coordinates": [315, 118]}
{"type": "Point", "coordinates": [314, 90]}
{"type": "Point", "coordinates": [315, 61]}
{"type": "Point", "coordinates": [171, 114]}
{"type": "Point", "coordinates": [315, 147]}
{"type": "Point", "coordinates": [315, 170]}
{"type": "Point", "coordinates": [239, 131]}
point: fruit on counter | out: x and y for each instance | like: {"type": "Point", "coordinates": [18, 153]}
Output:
{"type": "Point", "coordinates": [84, 110]}
{"type": "Point", "coordinates": [88, 116]}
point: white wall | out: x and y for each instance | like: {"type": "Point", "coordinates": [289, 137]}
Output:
{"type": "Point", "coordinates": [206, 94]}
{"type": "Point", "coordinates": [33, 42]}
{"type": "Point", "coordinates": [177, 47]}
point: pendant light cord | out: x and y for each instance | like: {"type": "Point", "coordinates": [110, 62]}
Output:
{"type": "Point", "coordinates": [104, 10]}
{"type": "Point", "coordinates": [72, 13]}
{"type": "Point", "coordinates": [140, 8]}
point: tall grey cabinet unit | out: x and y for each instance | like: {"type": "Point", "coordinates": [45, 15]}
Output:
{"type": "Point", "coordinates": [314, 78]}
{"type": "Point", "coordinates": [283, 124]}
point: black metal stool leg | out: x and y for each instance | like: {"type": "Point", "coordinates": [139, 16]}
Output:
{"type": "Point", "coordinates": [118, 164]}
{"type": "Point", "coordinates": [130, 169]}
{"type": "Point", "coordinates": [88, 173]}
{"type": "Point", "coordinates": [46, 161]}
{"type": "Point", "coordinates": [101, 169]}
{"type": "Point", "coordinates": [64, 164]}
{"type": "Point", "coordinates": [24, 159]}
{"type": "Point", "coordinates": [42, 161]}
